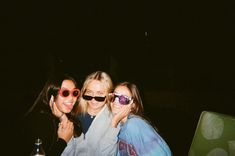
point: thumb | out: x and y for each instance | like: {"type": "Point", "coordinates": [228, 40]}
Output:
{"type": "Point", "coordinates": [51, 101]}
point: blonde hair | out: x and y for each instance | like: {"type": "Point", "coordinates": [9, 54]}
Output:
{"type": "Point", "coordinates": [101, 76]}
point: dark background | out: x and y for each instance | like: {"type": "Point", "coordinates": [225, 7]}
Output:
{"type": "Point", "coordinates": [180, 54]}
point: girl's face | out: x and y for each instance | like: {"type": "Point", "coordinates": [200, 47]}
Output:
{"type": "Point", "coordinates": [122, 92]}
{"type": "Point", "coordinates": [65, 103]}
{"type": "Point", "coordinates": [95, 95]}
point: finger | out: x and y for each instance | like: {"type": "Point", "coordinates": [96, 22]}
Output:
{"type": "Point", "coordinates": [60, 127]}
{"type": "Point", "coordinates": [52, 102]}
{"type": "Point", "coordinates": [52, 98]}
{"type": "Point", "coordinates": [63, 124]}
{"type": "Point", "coordinates": [68, 126]}
{"type": "Point", "coordinates": [126, 108]}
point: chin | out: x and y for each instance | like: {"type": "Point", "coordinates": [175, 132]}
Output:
{"type": "Point", "coordinates": [67, 110]}
{"type": "Point", "coordinates": [115, 111]}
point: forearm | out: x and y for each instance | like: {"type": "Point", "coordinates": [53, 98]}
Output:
{"type": "Point", "coordinates": [109, 142]}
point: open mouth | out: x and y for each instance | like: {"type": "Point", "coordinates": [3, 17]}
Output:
{"type": "Point", "coordinates": [69, 105]}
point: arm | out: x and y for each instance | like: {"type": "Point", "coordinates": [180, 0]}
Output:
{"type": "Point", "coordinates": [65, 133]}
{"type": "Point", "coordinates": [101, 136]}
{"type": "Point", "coordinates": [108, 145]}
{"type": "Point", "coordinates": [146, 141]}
{"type": "Point", "coordinates": [65, 130]}
{"type": "Point", "coordinates": [111, 131]}
{"type": "Point", "coordinates": [121, 116]}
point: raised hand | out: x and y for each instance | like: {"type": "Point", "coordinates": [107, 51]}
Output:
{"type": "Point", "coordinates": [54, 108]}
{"type": "Point", "coordinates": [65, 130]}
{"type": "Point", "coordinates": [122, 114]}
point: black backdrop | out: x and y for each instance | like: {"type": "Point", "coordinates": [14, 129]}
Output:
{"type": "Point", "coordinates": [178, 53]}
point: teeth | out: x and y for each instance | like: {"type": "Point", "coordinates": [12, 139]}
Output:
{"type": "Point", "coordinates": [68, 103]}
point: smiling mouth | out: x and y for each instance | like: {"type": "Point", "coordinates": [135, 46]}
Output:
{"type": "Point", "coordinates": [69, 105]}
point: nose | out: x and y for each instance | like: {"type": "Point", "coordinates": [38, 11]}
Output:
{"type": "Point", "coordinates": [70, 97]}
{"type": "Point", "coordinates": [93, 100]}
{"type": "Point", "coordinates": [116, 100]}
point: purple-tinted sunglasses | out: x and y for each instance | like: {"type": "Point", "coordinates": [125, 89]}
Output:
{"type": "Point", "coordinates": [122, 99]}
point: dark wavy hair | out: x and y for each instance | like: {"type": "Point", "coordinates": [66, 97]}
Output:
{"type": "Point", "coordinates": [51, 88]}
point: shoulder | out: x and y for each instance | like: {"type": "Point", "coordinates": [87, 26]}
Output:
{"type": "Point", "coordinates": [38, 118]}
{"type": "Point", "coordinates": [137, 121]}
{"type": "Point", "coordinates": [137, 128]}
{"type": "Point", "coordinates": [105, 113]}
{"type": "Point", "coordinates": [39, 115]}
{"type": "Point", "coordinates": [137, 125]}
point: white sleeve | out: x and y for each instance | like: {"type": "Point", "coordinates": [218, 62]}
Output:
{"type": "Point", "coordinates": [70, 148]}
{"type": "Point", "coordinates": [108, 145]}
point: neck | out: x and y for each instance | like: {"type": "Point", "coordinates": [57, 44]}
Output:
{"type": "Point", "coordinates": [93, 112]}
{"type": "Point", "coordinates": [63, 118]}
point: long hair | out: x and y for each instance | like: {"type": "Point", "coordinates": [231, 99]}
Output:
{"type": "Point", "coordinates": [101, 76]}
{"type": "Point", "coordinates": [138, 108]}
{"type": "Point", "coordinates": [51, 88]}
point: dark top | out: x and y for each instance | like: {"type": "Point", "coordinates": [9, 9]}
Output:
{"type": "Point", "coordinates": [85, 120]}
{"type": "Point", "coordinates": [42, 125]}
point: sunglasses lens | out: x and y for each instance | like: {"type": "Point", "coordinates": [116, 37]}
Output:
{"type": "Point", "coordinates": [99, 98]}
{"type": "Point", "coordinates": [123, 100]}
{"type": "Point", "coordinates": [65, 93]}
{"type": "Point", "coordinates": [87, 97]}
{"type": "Point", "coordinates": [76, 93]}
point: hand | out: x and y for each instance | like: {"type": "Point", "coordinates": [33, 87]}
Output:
{"type": "Point", "coordinates": [54, 108]}
{"type": "Point", "coordinates": [123, 113]}
{"type": "Point", "coordinates": [65, 130]}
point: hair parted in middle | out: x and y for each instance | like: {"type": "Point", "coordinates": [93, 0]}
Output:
{"type": "Point", "coordinates": [101, 76]}
{"type": "Point", "coordinates": [138, 108]}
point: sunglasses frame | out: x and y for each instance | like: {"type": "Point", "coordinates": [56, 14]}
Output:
{"type": "Point", "coordinates": [116, 95]}
{"type": "Point", "coordinates": [97, 98]}
{"type": "Point", "coordinates": [71, 92]}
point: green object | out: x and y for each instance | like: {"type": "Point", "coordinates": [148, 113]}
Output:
{"type": "Point", "coordinates": [214, 135]}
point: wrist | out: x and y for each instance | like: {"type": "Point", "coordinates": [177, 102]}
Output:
{"type": "Point", "coordinates": [60, 117]}
{"type": "Point", "coordinates": [114, 122]}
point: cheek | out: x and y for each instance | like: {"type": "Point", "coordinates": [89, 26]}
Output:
{"type": "Point", "coordinates": [75, 99]}
{"type": "Point", "coordinates": [59, 102]}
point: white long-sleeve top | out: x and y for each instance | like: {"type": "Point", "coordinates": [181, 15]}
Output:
{"type": "Point", "coordinates": [100, 139]}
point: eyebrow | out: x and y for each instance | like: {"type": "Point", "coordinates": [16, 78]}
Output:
{"type": "Point", "coordinates": [99, 92]}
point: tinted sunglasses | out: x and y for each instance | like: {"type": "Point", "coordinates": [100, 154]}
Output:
{"type": "Point", "coordinates": [65, 92]}
{"type": "Point", "coordinates": [97, 98]}
{"type": "Point", "coordinates": [122, 99]}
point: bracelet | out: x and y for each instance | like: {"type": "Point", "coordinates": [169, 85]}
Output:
{"type": "Point", "coordinates": [61, 115]}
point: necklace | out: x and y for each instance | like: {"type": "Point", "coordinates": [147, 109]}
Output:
{"type": "Point", "coordinates": [91, 116]}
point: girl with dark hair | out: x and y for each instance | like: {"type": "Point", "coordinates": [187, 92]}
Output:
{"type": "Point", "coordinates": [51, 118]}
